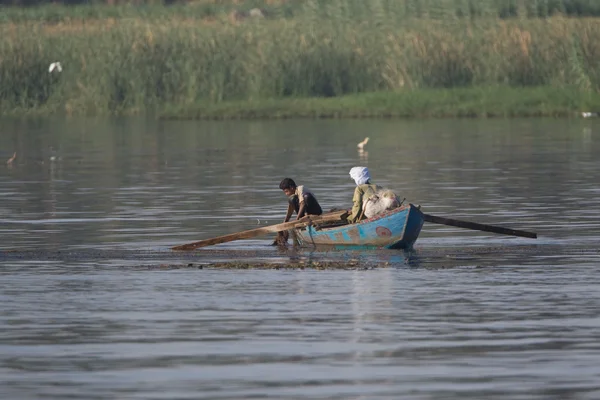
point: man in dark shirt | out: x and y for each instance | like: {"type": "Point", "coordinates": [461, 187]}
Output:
{"type": "Point", "coordinates": [301, 200]}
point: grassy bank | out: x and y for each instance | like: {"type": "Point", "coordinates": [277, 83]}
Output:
{"type": "Point", "coordinates": [340, 58]}
{"type": "Point", "coordinates": [477, 102]}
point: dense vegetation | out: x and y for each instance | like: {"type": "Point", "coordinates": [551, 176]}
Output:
{"type": "Point", "coordinates": [188, 59]}
{"type": "Point", "coordinates": [290, 8]}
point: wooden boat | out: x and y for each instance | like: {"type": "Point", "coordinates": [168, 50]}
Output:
{"type": "Point", "coordinates": [395, 229]}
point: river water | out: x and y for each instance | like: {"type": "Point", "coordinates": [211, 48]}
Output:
{"type": "Point", "coordinates": [90, 207]}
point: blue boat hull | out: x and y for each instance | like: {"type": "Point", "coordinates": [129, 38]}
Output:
{"type": "Point", "coordinates": [396, 229]}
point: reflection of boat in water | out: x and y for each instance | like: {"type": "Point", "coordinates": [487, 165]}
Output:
{"type": "Point", "coordinates": [395, 229]}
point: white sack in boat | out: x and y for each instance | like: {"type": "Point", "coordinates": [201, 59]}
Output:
{"type": "Point", "coordinates": [381, 201]}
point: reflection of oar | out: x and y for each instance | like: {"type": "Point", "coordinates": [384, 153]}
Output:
{"type": "Point", "coordinates": [478, 227]}
{"type": "Point", "coordinates": [304, 221]}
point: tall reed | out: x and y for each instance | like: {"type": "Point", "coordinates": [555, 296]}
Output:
{"type": "Point", "coordinates": [124, 65]}
{"type": "Point", "coordinates": [50, 11]}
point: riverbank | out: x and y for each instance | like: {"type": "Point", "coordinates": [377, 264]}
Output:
{"type": "Point", "coordinates": [343, 59]}
{"type": "Point", "coordinates": [474, 102]}
{"type": "Point", "coordinates": [478, 102]}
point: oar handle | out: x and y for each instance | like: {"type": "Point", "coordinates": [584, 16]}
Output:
{"type": "Point", "coordinates": [478, 227]}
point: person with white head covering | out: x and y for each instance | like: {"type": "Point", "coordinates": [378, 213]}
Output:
{"type": "Point", "coordinates": [360, 175]}
{"type": "Point", "coordinates": [364, 190]}
{"type": "Point", "coordinates": [369, 199]}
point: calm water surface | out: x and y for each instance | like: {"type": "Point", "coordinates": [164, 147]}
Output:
{"type": "Point", "coordinates": [89, 209]}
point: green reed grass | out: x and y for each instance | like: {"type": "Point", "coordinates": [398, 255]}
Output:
{"type": "Point", "coordinates": [152, 10]}
{"type": "Point", "coordinates": [50, 11]}
{"type": "Point", "coordinates": [329, 49]}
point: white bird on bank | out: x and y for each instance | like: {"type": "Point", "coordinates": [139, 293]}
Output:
{"type": "Point", "coordinates": [55, 66]}
{"type": "Point", "coordinates": [362, 144]}
{"type": "Point", "coordinates": [589, 114]}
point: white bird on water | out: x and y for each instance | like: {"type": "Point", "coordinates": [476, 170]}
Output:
{"type": "Point", "coordinates": [362, 144]}
{"type": "Point", "coordinates": [10, 160]}
{"type": "Point", "coordinates": [55, 66]}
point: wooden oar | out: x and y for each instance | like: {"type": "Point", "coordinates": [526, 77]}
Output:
{"type": "Point", "coordinates": [478, 227]}
{"type": "Point", "coordinates": [304, 221]}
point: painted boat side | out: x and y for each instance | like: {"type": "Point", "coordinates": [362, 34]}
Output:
{"type": "Point", "coordinates": [396, 229]}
